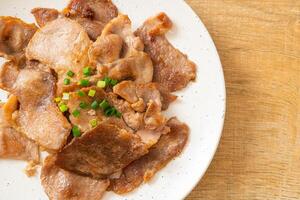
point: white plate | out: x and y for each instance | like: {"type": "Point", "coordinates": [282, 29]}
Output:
{"type": "Point", "coordinates": [201, 105]}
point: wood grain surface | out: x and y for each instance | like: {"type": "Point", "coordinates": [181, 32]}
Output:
{"type": "Point", "coordinates": [259, 154]}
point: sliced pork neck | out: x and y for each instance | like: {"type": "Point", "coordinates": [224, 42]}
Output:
{"type": "Point", "coordinates": [13, 145]}
{"type": "Point", "coordinates": [38, 116]}
{"type": "Point", "coordinates": [172, 69]}
{"type": "Point", "coordinates": [169, 146]}
{"type": "Point", "coordinates": [120, 52]}
{"type": "Point", "coordinates": [14, 37]}
{"type": "Point", "coordinates": [101, 152]}
{"type": "Point", "coordinates": [62, 44]}
{"type": "Point", "coordinates": [44, 15]}
{"type": "Point", "coordinates": [93, 15]}
{"type": "Point", "coordinates": [60, 184]}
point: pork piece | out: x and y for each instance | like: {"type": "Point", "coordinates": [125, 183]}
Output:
{"type": "Point", "coordinates": [101, 151]}
{"type": "Point", "coordinates": [44, 15]}
{"type": "Point", "coordinates": [169, 146]}
{"type": "Point", "coordinates": [88, 114]}
{"type": "Point", "coordinates": [133, 92]}
{"type": "Point", "coordinates": [60, 184]}
{"type": "Point", "coordinates": [93, 15]}
{"type": "Point", "coordinates": [166, 97]}
{"type": "Point", "coordinates": [172, 69]}
{"type": "Point", "coordinates": [145, 98]}
{"type": "Point", "coordinates": [13, 145]}
{"type": "Point", "coordinates": [121, 26]}
{"type": "Point", "coordinates": [119, 50]}
{"type": "Point", "coordinates": [63, 45]}
{"type": "Point", "coordinates": [137, 67]}
{"type": "Point", "coordinates": [106, 49]}
{"type": "Point", "coordinates": [39, 118]}
{"type": "Point", "coordinates": [8, 75]}
{"type": "Point", "coordinates": [14, 37]}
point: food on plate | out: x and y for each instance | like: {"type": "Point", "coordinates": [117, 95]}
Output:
{"type": "Point", "coordinates": [14, 37]}
{"type": "Point", "coordinates": [172, 68]}
{"type": "Point", "coordinates": [60, 184]}
{"type": "Point", "coordinates": [91, 92]}
{"type": "Point", "coordinates": [169, 146]}
{"type": "Point", "coordinates": [13, 145]}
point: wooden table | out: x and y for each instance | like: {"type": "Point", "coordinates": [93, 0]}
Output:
{"type": "Point", "coordinates": [259, 45]}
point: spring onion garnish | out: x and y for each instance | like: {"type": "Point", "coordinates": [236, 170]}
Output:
{"type": "Point", "coordinates": [76, 131]}
{"type": "Point", "coordinates": [57, 99]}
{"type": "Point", "coordinates": [80, 93]}
{"type": "Point", "coordinates": [94, 105]}
{"type": "Point", "coordinates": [70, 74]}
{"type": "Point", "coordinates": [83, 105]}
{"type": "Point", "coordinates": [118, 114]}
{"type": "Point", "coordinates": [113, 82]}
{"type": "Point", "coordinates": [66, 96]}
{"type": "Point", "coordinates": [101, 84]}
{"type": "Point", "coordinates": [109, 112]}
{"type": "Point", "coordinates": [67, 81]}
{"type": "Point", "coordinates": [104, 104]}
{"type": "Point", "coordinates": [76, 113]}
{"type": "Point", "coordinates": [63, 108]}
{"type": "Point", "coordinates": [107, 81]}
{"type": "Point", "coordinates": [87, 71]}
{"type": "Point", "coordinates": [92, 93]}
{"type": "Point", "coordinates": [94, 123]}
{"type": "Point", "coordinates": [84, 82]}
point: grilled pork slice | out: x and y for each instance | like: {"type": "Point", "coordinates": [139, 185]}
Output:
{"type": "Point", "coordinates": [120, 52]}
{"type": "Point", "coordinates": [62, 44]}
{"type": "Point", "coordinates": [172, 69]}
{"type": "Point", "coordinates": [93, 15]}
{"type": "Point", "coordinates": [60, 184]}
{"type": "Point", "coordinates": [13, 145]}
{"type": "Point", "coordinates": [101, 152]}
{"type": "Point", "coordinates": [169, 146]}
{"type": "Point", "coordinates": [38, 116]}
{"type": "Point", "coordinates": [14, 37]}
{"type": "Point", "coordinates": [44, 15]}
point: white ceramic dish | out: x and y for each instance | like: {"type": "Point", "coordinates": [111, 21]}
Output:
{"type": "Point", "coordinates": [201, 105]}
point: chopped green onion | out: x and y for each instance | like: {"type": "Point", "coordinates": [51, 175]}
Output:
{"type": "Point", "coordinates": [118, 114]}
{"type": "Point", "coordinates": [94, 105]}
{"type": "Point", "coordinates": [63, 108]}
{"type": "Point", "coordinates": [83, 105]}
{"type": "Point", "coordinates": [76, 131]}
{"type": "Point", "coordinates": [101, 84]}
{"type": "Point", "coordinates": [87, 71]}
{"type": "Point", "coordinates": [84, 82]}
{"type": "Point", "coordinates": [113, 82]}
{"type": "Point", "coordinates": [67, 81]}
{"type": "Point", "coordinates": [92, 93]}
{"type": "Point", "coordinates": [104, 104]}
{"type": "Point", "coordinates": [70, 73]}
{"type": "Point", "coordinates": [57, 99]}
{"type": "Point", "coordinates": [66, 96]}
{"type": "Point", "coordinates": [110, 112]}
{"type": "Point", "coordinates": [107, 81]}
{"type": "Point", "coordinates": [76, 113]}
{"type": "Point", "coordinates": [94, 123]}
{"type": "Point", "coordinates": [80, 93]}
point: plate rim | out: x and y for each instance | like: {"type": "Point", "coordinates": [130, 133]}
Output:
{"type": "Point", "coordinates": [224, 94]}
